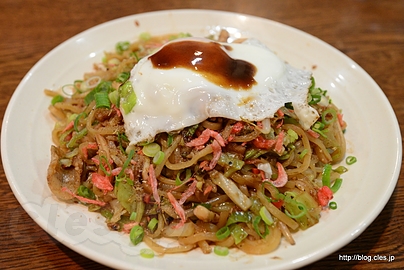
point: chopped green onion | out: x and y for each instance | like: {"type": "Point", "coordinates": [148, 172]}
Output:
{"type": "Point", "coordinates": [266, 216]}
{"type": "Point", "coordinates": [90, 83]}
{"type": "Point", "coordinates": [158, 158]}
{"type": "Point", "coordinates": [191, 130]}
{"type": "Point", "coordinates": [123, 77]}
{"type": "Point", "coordinates": [126, 163]}
{"type": "Point", "coordinates": [136, 234]}
{"type": "Point", "coordinates": [337, 184]}
{"type": "Point", "coordinates": [303, 153]}
{"type": "Point", "coordinates": [114, 97]}
{"type": "Point", "coordinates": [122, 46]}
{"type": "Point", "coordinates": [147, 253]}
{"type": "Point", "coordinates": [76, 137]}
{"type": "Point", "coordinates": [341, 169]}
{"type": "Point", "coordinates": [77, 84]}
{"type": "Point", "coordinates": [319, 125]}
{"type": "Point", "coordinates": [69, 89]}
{"type": "Point", "coordinates": [328, 116]}
{"type": "Point", "coordinates": [106, 213]}
{"type": "Point", "coordinates": [170, 140]}
{"type": "Point", "coordinates": [221, 251]}
{"type": "Point", "coordinates": [72, 153]}
{"type": "Point", "coordinates": [152, 224]}
{"type": "Point", "coordinates": [319, 128]}
{"type": "Point", "coordinates": [128, 97]}
{"type": "Point", "coordinates": [326, 175]}
{"type": "Point", "coordinates": [121, 138]}
{"type": "Point", "coordinates": [134, 54]}
{"type": "Point", "coordinates": [151, 149]}
{"type": "Point", "coordinates": [188, 174]}
{"type": "Point", "coordinates": [85, 192]}
{"type": "Point", "coordinates": [223, 233]}
{"type": "Point", "coordinates": [57, 99]}
{"type": "Point", "coordinates": [65, 162]}
{"type": "Point", "coordinates": [145, 36]}
{"type": "Point", "coordinates": [292, 135]}
{"type": "Point", "coordinates": [133, 216]}
{"type": "Point", "coordinates": [102, 100]}
{"type": "Point", "coordinates": [104, 160]}
{"type": "Point", "coordinates": [77, 119]}
{"type": "Point", "coordinates": [350, 160]}
{"type": "Point", "coordinates": [333, 205]}
{"type": "Point", "coordinates": [315, 93]}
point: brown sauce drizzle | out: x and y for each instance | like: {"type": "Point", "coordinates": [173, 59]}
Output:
{"type": "Point", "coordinates": [208, 59]}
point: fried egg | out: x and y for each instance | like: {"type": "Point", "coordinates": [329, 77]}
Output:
{"type": "Point", "coordinates": [189, 80]}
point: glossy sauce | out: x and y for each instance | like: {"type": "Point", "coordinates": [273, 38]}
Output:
{"type": "Point", "coordinates": [208, 59]}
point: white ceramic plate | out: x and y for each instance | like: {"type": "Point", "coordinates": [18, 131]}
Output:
{"type": "Point", "coordinates": [26, 140]}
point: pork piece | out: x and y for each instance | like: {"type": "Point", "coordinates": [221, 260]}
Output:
{"type": "Point", "coordinates": [59, 176]}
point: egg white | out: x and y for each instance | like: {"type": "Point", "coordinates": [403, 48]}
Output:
{"type": "Point", "coordinates": [171, 99]}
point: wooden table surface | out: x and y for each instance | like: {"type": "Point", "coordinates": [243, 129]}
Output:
{"type": "Point", "coordinates": [369, 32]}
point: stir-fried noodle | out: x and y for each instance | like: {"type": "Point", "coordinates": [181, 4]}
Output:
{"type": "Point", "coordinates": [219, 183]}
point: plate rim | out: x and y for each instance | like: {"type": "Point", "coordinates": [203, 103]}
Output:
{"type": "Point", "coordinates": [8, 169]}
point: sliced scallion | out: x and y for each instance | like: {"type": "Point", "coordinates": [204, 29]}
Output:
{"type": "Point", "coordinates": [152, 224]}
{"type": "Point", "coordinates": [114, 97]}
{"type": "Point", "coordinates": [292, 135]}
{"type": "Point", "coordinates": [102, 100]}
{"type": "Point", "coordinates": [76, 137]}
{"type": "Point", "coordinates": [328, 116]}
{"type": "Point", "coordinates": [57, 99]}
{"type": "Point", "coordinates": [77, 119]}
{"type": "Point", "coordinates": [350, 160]}
{"type": "Point", "coordinates": [91, 83]}
{"type": "Point", "coordinates": [221, 251]}
{"type": "Point", "coordinates": [341, 169]}
{"type": "Point", "coordinates": [170, 140]}
{"type": "Point", "coordinates": [223, 233]}
{"type": "Point", "coordinates": [333, 205]}
{"type": "Point", "coordinates": [133, 216]}
{"type": "Point", "coordinates": [151, 149]}
{"type": "Point", "coordinates": [128, 97]}
{"type": "Point", "coordinates": [325, 178]}
{"type": "Point", "coordinates": [122, 46]}
{"type": "Point", "coordinates": [303, 153]}
{"type": "Point", "coordinates": [145, 36]}
{"type": "Point", "coordinates": [188, 174]}
{"type": "Point", "coordinates": [126, 163]}
{"type": "Point", "coordinates": [85, 192]}
{"type": "Point", "coordinates": [104, 160]}
{"type": "Point", "coordinates": [336, 186]}
{"type": "Point", "coordinates": [158, 157]}
{"type": "Point", "coordinates": [123, 77]}
{"type": "Point", "coordinates": [266, 216]}
{"type": "Point", "coordinates": [147, 253]}
{"type": "Point", "coordinates": [69, 89]}
{"type": "Point", "coordinates": [136, 234]}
